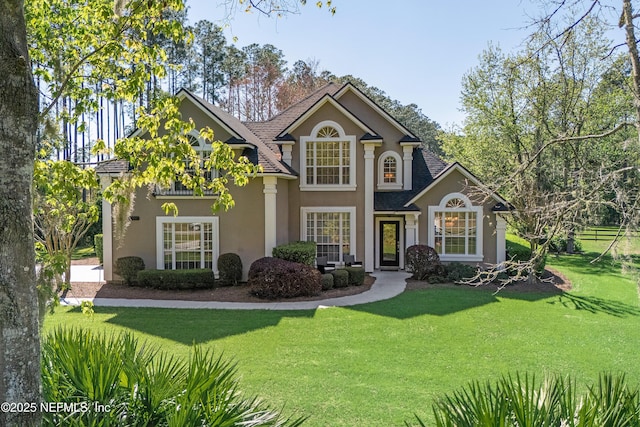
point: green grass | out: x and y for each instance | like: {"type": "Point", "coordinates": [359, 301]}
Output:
{"type": "Point", "coordinates": [378, 364]}
{"type": "Point", "coordinates": [84, 252]}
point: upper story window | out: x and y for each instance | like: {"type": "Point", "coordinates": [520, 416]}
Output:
{"type": "Point", "coordinates": [203, 151]}
{"type": "Point", "coordinates": [456, 229]}
{"type": "Point", "coordinates": [390, 171]}
{"type": "Point", "coordinates": [327, 158]}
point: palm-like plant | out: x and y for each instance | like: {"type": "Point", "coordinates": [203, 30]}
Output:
{"type": "Point", "coordinates": [523, 402]}
{"type": "Point", "coordinates": [138, 385]}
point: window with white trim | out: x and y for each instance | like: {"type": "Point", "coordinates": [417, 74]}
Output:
{"type": "Point", "coordinates": [203, 151]}
{"type": "Point", "coordinates": [390, 170]}
{"type": "Point", "coordinates": [456, 229]}
{"type": "Point", "coordinates": [187, 242]}
{"type": "Point", "coordinates": [327, 158]}
{"type": "Point", "coordinates": [333, 230]}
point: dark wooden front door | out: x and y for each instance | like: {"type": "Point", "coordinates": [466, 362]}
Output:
{"type": "Point", "coordinates": [389, 243]}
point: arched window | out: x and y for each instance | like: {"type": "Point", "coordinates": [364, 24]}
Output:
{"type": "Point", "coordinates": [327, 158]}
{"type": "Point", "coordinates": [456, 229]}
{"type": "Point", "coordinates": [390, 171]}
{"type": "Point", "coordinates": [203, 150]}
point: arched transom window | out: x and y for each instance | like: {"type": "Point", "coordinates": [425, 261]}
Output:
{"type": "Point", "coordinates": [390, 170]}
{"type": "Point", "coordinates": [203, 150]}
{"type": "Point", "coordinates": [456, 229]}
{"type": "Point", "coordinates": [328, 158]}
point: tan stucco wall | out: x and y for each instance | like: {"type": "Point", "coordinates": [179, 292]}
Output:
{"type": "Point", "coordinates": [298, 198]}
{"type": "Point", "coordinates": [241, 228]}
{"type": "Point", "coordinates": [455, 182]}
{"type": "Point", "coordinates": [201, 120]}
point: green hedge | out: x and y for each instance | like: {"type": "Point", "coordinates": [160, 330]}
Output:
{"type": "Point", "coordinates": [98, 246]}
{"type": "Point", "coordinates": [340, 278]}
{"type": "Point", "coordinates": [302, 252]}
{"type": "Point", "coordinates": [327, 281]}
{"type": "Point", "coordinates": [128, 268]}
{"type": "Point", "coordinates": [230, 269]}
{"type": "Point", "coordinates": [177, 279]}
{"type": "Point", "coordinates": [356, 275]}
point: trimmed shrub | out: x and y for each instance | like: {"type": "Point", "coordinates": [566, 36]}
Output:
{"type": "Point", "coordinates": [177, 279]}
{"type": "Point", "coordinates": [327, 281]}
{"type": "Point", "coordinates": [457, 271]}
{"type": "Point", "coordinates": [273, 278]}
{"type": "Point", "coordinates": [423, 261]}
{"type": "Point", "coordinates": [559, 244]}
{"type": "Point", "coordinates": [99, 248]}
{"type": "Point", "coordinates": [340, 278]}
{"type": "Point", "coordinates": [230, 269]}
{"type": "Point", "coordinates": [128, 267]}
{"type": "Point", "coordinates": [302, 252]}
{"type": "Point", "coordinates": [356, 275]}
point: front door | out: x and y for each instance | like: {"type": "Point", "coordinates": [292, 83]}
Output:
{"type": "Point", "coordinates": [389, 243]}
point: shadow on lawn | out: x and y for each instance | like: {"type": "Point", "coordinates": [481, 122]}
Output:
{"type": "Point", "coordinates": [445, 301]}
{"type": "Point", "coordinates": [196, 326]}
{"type": "Point", "coordinates": [597, 305]}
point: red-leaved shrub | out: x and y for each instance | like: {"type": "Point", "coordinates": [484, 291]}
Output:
{"type": "Point", "coordinates": [273, 278]}
{"type": "Point", "coordinates": [423, 261]}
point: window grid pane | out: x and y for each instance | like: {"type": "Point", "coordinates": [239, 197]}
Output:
{"type": "Point", "coordinates": [188, 245]}
{"type": "Point", "coordinates": [331, 232]}
{"type": "Point", "coordinates": [328, 162]}
{"type": "Point", "coordinates": [389, 170]}
{"type": "Point", "coordinates": [455, 229]}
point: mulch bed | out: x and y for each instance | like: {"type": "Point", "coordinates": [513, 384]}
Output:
{"type": "Point", "coordinates": [554, 283]}
{"type": "Point", "coordinates": [226, 294]}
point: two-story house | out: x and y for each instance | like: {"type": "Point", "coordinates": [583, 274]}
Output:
{"type": "Point", "coordinates": [337, 170]}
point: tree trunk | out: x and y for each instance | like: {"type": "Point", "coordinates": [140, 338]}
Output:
{"type": "Point", "coordinates": [19, 330]}
{"type": "Point", "coordinates": [632, 45]}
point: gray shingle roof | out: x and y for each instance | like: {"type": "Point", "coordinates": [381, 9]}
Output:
{"type": "Point", "coordinates": [426, 167]}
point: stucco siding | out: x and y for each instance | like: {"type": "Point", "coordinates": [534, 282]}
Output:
{"type": "Point", "coordinates": [455, 182]}
{"type": "Point", "coordinates": [241, 229]}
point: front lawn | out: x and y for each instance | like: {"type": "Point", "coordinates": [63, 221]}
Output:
{"type": "Point", "coordinates": [378, 364]}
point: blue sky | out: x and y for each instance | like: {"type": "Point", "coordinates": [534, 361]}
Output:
{"type": "Point", "coordinates": [417, 51]}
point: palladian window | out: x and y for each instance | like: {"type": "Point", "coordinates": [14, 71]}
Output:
{"type": "Point", "coordinates": [456, 229]}
{"type": "Point", "coordinates": [328, 158]}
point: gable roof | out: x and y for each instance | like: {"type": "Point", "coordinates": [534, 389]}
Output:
{"type": "Point", "coordinates": [468, 175]}
{"type": "Point", "coordinates": [349, 87]}
{"type": "Point", "coordinates": [326, 99]}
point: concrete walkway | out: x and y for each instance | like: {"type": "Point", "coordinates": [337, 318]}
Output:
{"type": "Point", "coordinates": [388, 284]}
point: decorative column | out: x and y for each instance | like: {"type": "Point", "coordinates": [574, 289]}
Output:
{"type": "Point", "coordinates": [369, 232]}
{"type": "Point", "coordinates": [410, 227]}
{"type": "Point", "coordinates": [407, 166]}
{"type": "Point", "coordinates": [270, 210]}
{"type": "Point", "coordinates": [107, 233]}
{"type": "Point", "coordinates": [501, 239]}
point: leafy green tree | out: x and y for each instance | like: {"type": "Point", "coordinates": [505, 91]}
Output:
{"type": "Point", "coordinates": [549, 116]}
{"type": "Point", "coordinates": [63, 212]}
{"type": "Point", "coordinates": [69, 43]}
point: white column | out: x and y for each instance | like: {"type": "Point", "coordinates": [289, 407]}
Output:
{"type": "Point", "coordinates": [410, 226]}
{"type": "Point", "coordinates": [270, 210]}
{"type": "Point", "coordinates": [407, 166]}
{"type": "Point", "coordinates": [501, 239]}
{"type": "Point", "coordinates": [369, 232]}
{"type": "Point", "coordinates": [107, 233]}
